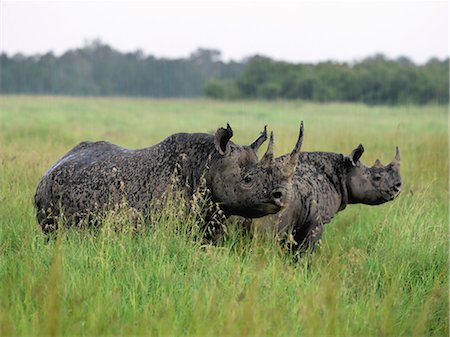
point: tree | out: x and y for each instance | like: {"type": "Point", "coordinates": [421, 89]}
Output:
{"type": "Point", "coordinates": [214, 89]}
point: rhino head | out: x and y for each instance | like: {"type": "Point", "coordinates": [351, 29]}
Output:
{"type": "Point", "coordinates": [243, 185]}
{"type": "Point", "coordinates": [372, 185]}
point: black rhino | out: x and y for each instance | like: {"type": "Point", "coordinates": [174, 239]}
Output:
{"type": "Point", "coordinates": [324, 184]}
{"type": "Point", "coordinates": [95, 176]}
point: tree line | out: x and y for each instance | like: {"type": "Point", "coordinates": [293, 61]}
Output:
{"type": "Point", "coordinates": [374, 80]}
{"type": "Point", "coordinates": [98, 69]}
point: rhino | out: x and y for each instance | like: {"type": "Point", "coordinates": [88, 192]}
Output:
{"type": "Point", "coordinates": [323, 185]}
{"type": "Point", "coordinates": [95, 176]}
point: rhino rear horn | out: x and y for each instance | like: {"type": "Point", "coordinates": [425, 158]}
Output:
{"type": "Point", "coordinates": [268, 156]}
{"type": "Point", "coordinates": [356, 154]}
{"type": "Point", "coordinates": [222, 138]}
{"type": "Point", "coordinates": [260, 140]}
{"type": "Point", "coordinates": [377, 164]}
{"type": "Point", "coordinates": [292, 159]}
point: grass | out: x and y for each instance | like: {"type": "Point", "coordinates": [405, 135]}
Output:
{"type": "Point", "coordinates": [380, 270]}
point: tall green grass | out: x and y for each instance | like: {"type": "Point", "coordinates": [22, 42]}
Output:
{"type": "Point", "coordinates": [380, 270]}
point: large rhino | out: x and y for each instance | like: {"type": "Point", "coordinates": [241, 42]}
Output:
{"type": "Point", "coordinates": [95, 176]}
{"type": "Point", "coordinates": [324, 184]}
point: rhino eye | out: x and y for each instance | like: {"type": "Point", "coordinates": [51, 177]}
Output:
{"type": "Point", "coordinates": [248, 178]}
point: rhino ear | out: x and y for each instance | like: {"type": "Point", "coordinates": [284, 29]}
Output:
{"type": "Point", "coordinates": [377, 164]}
{"type": "Point", "coordinates": [355, 155]}
{"type": "Point", "coordinates": [222, 138]}
{"type": "Point", "coordinates": [260, 140]}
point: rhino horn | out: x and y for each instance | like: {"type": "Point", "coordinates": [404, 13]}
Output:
{"type": "Point", "coordinates": [292, 159]}
{"type": "Point", "coordinates": [377, 164]}
{"type": "Point", "coordinates": [268, 156]}
{"type": "Point", "coordinates": [396, 160]}
{"type": "Point", "coordinates": [260, 140]}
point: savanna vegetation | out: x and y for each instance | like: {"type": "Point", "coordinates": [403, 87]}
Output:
{"type": "Point", "coordinates": [380, 270]}
{"type": "Point", "coordinates": [374, 80]}
{"type": "Point", "coordinates": [98, 69]}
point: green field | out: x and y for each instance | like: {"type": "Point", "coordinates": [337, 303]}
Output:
{"type": "Point", "coordinates": [381, 270]}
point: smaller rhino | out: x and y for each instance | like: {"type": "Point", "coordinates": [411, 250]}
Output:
{"type": "Point", "coordinates": [324, 184]}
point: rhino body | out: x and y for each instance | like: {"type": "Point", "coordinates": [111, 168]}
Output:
{"type": "Point", "coordinates": [95, 176]}
{"type": "Point", "coordinates": [323, 185]}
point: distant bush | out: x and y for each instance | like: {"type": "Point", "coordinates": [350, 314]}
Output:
{"type": "Point", "coordinates": [221, 89]}
{"type": "Point", "coordinates": [215, 89]}
{"type": "Point", "coordinates": [269, 90]}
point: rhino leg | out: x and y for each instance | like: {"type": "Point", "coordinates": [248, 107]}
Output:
{"type": "Point", "coordinates": [310, 233]}
{"type": "Point", "coordinates": [310, 236]}
{"type": "Point", "coordinates": [48, 222]}
{"type": "Point", "coordinates": [215, 225]}
{"type": "Point", "coordinates": [246, 225]}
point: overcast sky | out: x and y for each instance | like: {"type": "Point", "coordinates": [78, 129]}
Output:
{"type": "Point", "coordinates": [292, 31]}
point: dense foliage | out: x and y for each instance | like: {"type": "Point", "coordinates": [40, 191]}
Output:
{"type": "Point", "coordinates": [97, 69]}
{"type": "Point", "coordinates": [373, 80]}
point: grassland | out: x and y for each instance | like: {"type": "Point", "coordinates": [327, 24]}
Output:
{"type": "Point", "coordinates": [380, 271]}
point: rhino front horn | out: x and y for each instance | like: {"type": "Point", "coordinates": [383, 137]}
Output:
{"type": "Point", "coordinates": [292, 159]}
{"type": "Point", "coordinates": [396, 160]}
{"type": "Point", "coordinates": [268, 156]}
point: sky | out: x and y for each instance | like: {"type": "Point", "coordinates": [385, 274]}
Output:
{"type": "Point", "coordinates": [293, 31]}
